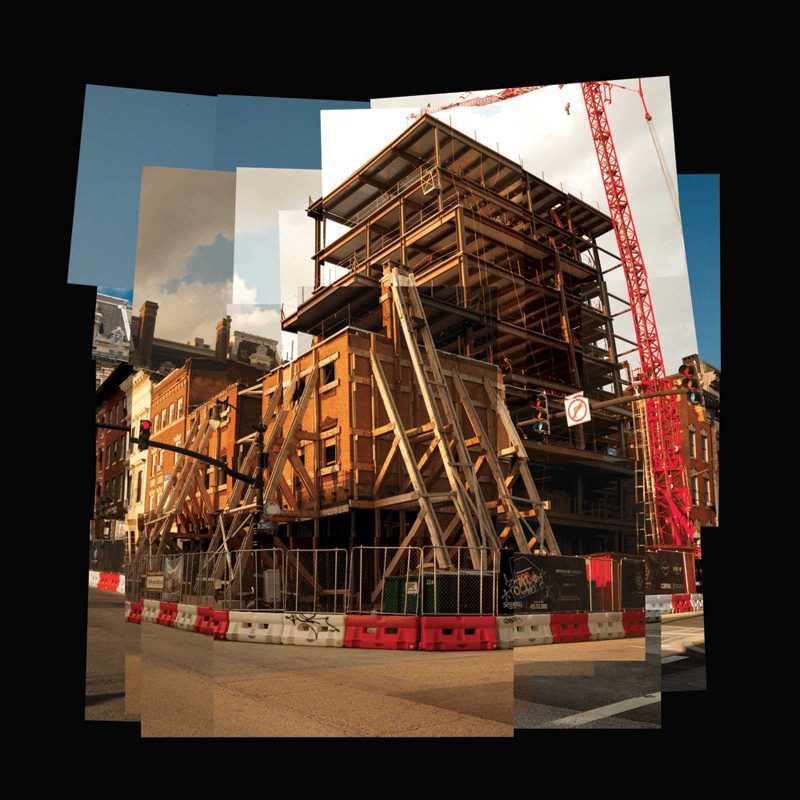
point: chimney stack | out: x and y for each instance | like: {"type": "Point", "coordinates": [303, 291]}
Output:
{"type": "Point", "coordinates": [223, 338]}
{"type": "Point", "coordinates": [147, 328]}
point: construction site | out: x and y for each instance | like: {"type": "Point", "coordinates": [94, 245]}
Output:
{"type": "Point", "coordinates": [426, 424]}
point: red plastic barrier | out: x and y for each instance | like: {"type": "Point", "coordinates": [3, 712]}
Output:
{"type": "Point", "coordinates": [681, 603]}
{"type": "Point", "coordinates": [457, 633]}
{"type": "Point", "coordinates": [376, 631]}
{"type": "Point", "coordinates": [633, 622]}
{"type": "Point", "coordinates": [205, 620]}
{"type": "Point", "coordinates": [136, 613]}
{"type": "Point", "coordinates": [221, 623]}
{"type": "Point", "coordinates": [570, 628]}
{"type": "Point", "coordinates": [167, 613]}
{"type": "Point", "coordinates": [109, 581]}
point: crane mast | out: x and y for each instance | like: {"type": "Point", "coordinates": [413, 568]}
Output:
{"type": "Point", "coordinates": [672, 498]}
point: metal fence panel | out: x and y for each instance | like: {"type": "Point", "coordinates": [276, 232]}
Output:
{"type": "Point", "coordinates": [134, 581]}
{"type": "Point", "coordinates": [469, 586]}
{"type": "Point", "coordinates": [316, 580]}
{"type": "Point", "coordinates": [385, 580]}
{"type": "Point", "coordinates": [253, 580]}
{"type": "Point", "coordinates": [153, 584]}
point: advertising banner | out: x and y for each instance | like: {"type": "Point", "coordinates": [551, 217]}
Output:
{"type": "Point", "coordinates": [632, 584]}
{"type": "Point", "coordinates": [531, 584]}
{"type": "Point", "coordinates": [665, 573]}
{"type": "Point", "coordinates": [173, 577]}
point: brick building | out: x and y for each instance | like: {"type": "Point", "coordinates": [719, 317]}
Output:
{"type": "Point", "coordinates": [345, 483]}
{"type": "Point", "coordinates": [111, 454]}
{"type": "Point", "coordinates": [700, 444]}
{"type": "Point", "coordinates": [174, 399]}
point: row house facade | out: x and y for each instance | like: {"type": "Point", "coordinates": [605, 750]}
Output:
{"type": "Point", "coordinates": [111, 457]}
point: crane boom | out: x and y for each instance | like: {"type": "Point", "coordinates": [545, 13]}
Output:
{"type": "Point", "coordinates": [672, 501]}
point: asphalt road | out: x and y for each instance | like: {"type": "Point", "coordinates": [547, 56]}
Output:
{"type": "Point", "coordinates": [683, 653]}
{"type": "Point", "coordinates": [610, 684]}
{"type": "Point", "coordinates": [192, 685]}
{"type": "Point", "coordinates": [105, 657]}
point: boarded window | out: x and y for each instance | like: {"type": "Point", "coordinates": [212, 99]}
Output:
{"type": "Point", "coordinates": [330, 452]}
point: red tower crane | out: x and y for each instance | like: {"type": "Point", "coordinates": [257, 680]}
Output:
{"type": "Point", "coordinates": [672, 499]}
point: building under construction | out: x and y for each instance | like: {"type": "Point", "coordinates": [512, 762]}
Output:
{"type": "Point", "coordinates": [467, 287]}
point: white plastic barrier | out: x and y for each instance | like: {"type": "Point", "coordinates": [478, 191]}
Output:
{"type": "Point", "coordinates": [607, 625]}
{"type": "Point", "coordinates": [121, 586]}
{"type": "Point", "coordinates": [697, 602]}
{"type": "Point", "coordinates": [523, 630]}
{"type": "Point", "coordinates": [94, 578]}
{"type": "Point", "coordinates": [322, 630]}
{"type": "Point", "coordinates": [656, 605]}
{"type": "Point", "coordinates": [254, 626]}
{"type": "Point", "coordinates": [150, 611]}
{"type": "Point", "coordinates": [187, 617]}
{"type": "Point", "coordinates": [127, 610]}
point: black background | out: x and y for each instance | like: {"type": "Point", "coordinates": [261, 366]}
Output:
{"type": "Point", "coordinates": [706, 117]}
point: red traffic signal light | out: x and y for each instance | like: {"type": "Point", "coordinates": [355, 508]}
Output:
{"type": "Point", "coordinates": [144, 434]}
{"type": "Point", "coordinates": [690, 382]}
{"type": "Point", "coordinates": [541, 414]}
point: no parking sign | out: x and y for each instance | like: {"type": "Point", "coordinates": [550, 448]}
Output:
{"type": "Point", "coordinates": [577, 409]}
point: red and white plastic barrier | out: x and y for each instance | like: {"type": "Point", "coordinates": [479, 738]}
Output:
{"type": "Point", "coordinates": [634, 623]}
{"type": "Point", "coordinates": [523, 630]}
{"type": "Point", "coordinates": [568, 628]}
{"type": "Point", "coordinates": [320, 630]}
{"type": "Point", "coordinates": [186, 618]}
{"type": "Point", "coordinates": [108, 581]}
{"type": "Point", "coordinates": [458, 633]}
{"type": "Point", "coordinates": [381, 632]}
{"type": "Point", "coordinates": [151, 610]}
{"type": "Point", "coordinates": [255, 626]}
{"type": "Point", "coordinates": [607, 625]}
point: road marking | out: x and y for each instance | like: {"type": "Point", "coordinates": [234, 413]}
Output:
{"type": "Point", "coordinates": [670, 659]}
{"type": "Point", "coordinates": [608, 711]}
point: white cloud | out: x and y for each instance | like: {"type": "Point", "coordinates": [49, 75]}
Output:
{"type": "Point", "coordinates": [242, 293]}
{"type": "Point", "coordinates": [259, 320]}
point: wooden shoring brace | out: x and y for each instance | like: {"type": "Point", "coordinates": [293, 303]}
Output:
{"type": "Point", "coordinates": [511, 511]}
{"type": "Point", "coordinates": [504, 415]}
{"type": "Point", "coordinates": [422, 462]}
{"type": "Point", "coordinates": [218, 542]}
{"type": "Point", "coordinates": [291, 558]}
{"type": "Point", "coordinates": [426, 507]}
{"type": "Point", "coordinates": [384, 470]}
{"type": "Point", "coordinates": [243, 555]}
{"type": "Point", "coordinates": [458, 467]}
{"type": "Point", "coordinates": [155, 529]}
{"type": "Point", "coordinates": [146, 538]}
{"type": "Point", "coordinates": [182, 487]}
{"type": "Point", "coordinates": [289, 442]}
{"type": "Point", "coordinates": [401, 551]}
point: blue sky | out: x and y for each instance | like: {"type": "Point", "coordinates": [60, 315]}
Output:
{"type": "Point", "coordinates": [699, 200]}
{"type": "Point", "coordinates": [127, 129]}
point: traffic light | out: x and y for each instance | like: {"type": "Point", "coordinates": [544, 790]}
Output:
{"type": "Point", "coordinates": [541, 414]}
{"type": "Point", "coordinates": [689, 381]}
{"type": "Point", "coordinates": [144, 434]}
